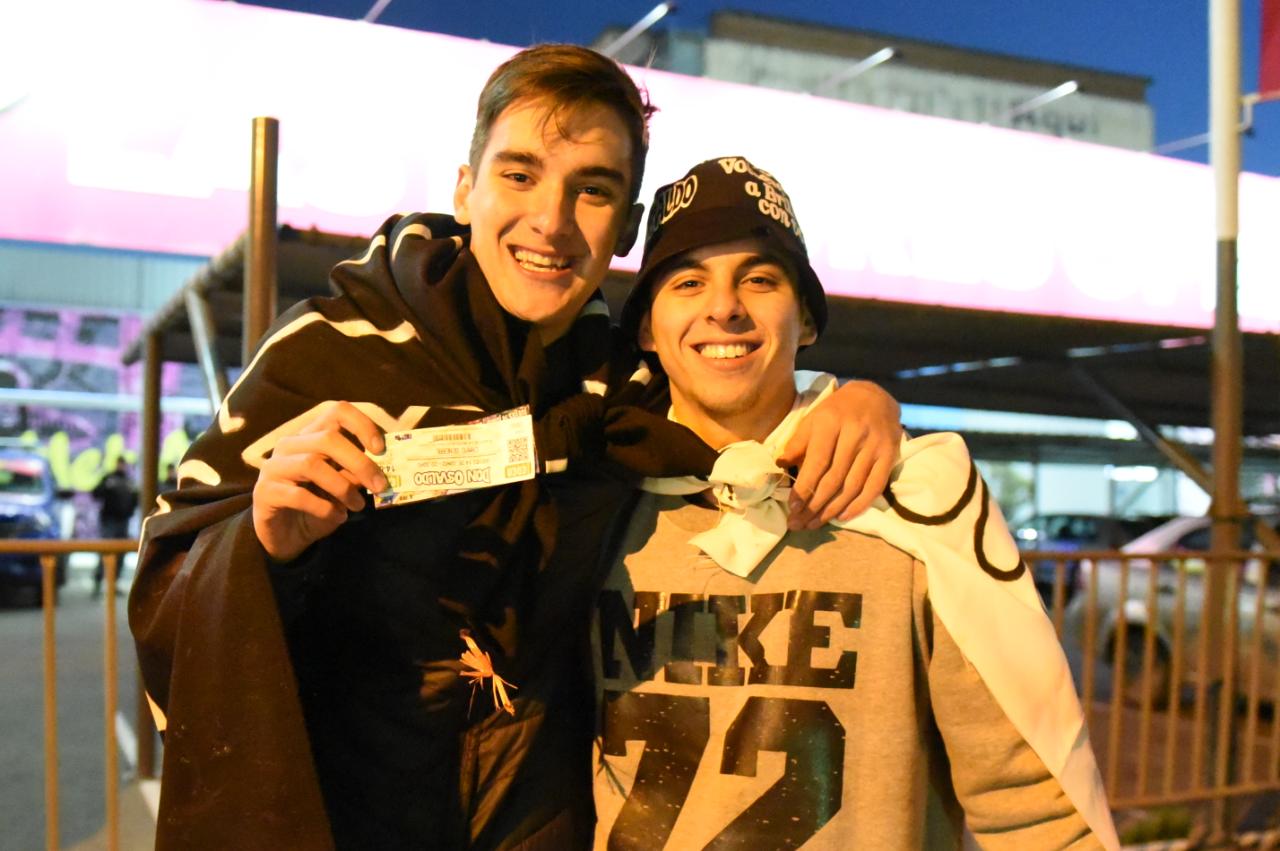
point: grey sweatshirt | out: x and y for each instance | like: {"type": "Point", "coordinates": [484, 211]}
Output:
{"type": "Point", "coordinates": [817, 703]}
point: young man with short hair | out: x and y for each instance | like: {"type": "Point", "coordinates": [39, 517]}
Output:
{"type": "Point", "coordinates": [314, 662]}
{"type": "Point", "coordinates": [872, 684]}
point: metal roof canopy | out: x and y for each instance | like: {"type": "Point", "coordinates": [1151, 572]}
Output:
{"type": "Point", "coordinates": [304, 259]}
{"type": "Point", "coordinates": [933, 355]}
{"type": "Point", "coordinates": [922, 354]}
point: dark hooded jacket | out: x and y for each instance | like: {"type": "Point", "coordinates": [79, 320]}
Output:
{"type": "Point", "coordinates": [320, 703]}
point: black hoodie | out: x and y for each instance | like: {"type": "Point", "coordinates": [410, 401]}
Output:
{"type": "Point", "coordinates": [320, 703]}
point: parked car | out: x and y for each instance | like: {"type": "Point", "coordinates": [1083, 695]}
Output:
{"type": "Point", "coordinates": [1071, 532]}
{"type": "Point", "coordinates": [1180, 535]}
{"type": "Point", "coordinates": [30, 507]}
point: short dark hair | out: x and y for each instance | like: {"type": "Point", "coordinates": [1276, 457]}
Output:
{"type": "Point", "coordinates": [571, 77]}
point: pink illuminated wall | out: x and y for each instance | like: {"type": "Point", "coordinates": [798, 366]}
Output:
{"type": "Point", "coordinates": [132, 131]}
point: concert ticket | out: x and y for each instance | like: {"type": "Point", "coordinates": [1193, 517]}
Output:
{"type": "Point", "coordinates": [427, 463]}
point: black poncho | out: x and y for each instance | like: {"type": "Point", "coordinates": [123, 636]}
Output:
{"type": "Point", "coordinates": [320, 702]}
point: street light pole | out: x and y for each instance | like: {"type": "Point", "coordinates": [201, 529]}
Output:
{"type": "Point", "coordinates": [857, 69]}
{"type": "Point", "coordinates": [655, 14]}
{"type": "Point", "coordinates": [375, 11]}
{"type": "Point", "coordinates": [1070, 87]}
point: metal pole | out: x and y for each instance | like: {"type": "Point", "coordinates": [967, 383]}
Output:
{"type": "Point", "coordinates": [110, 700]}
{"type": "Point", "coordinates": [857, 69]}
{"type": "Point", "coordinates": [149, 480]}
{"type": "Point", "coordinates": [205, 336]}
{"type": "Point", "coordinates": [1173, 452]}
{"type": "Point", "coordinates": [260, 252]}
{"type": "Point", "coordinates": [1227, 377]}
{"type": "Point", "coordinates": [376, 10]}
{"type": "Point", "coordinates": [637, 29]}
{"type": "Point", "coordinates": [48, 591]}
{"type": "Point", "coordinates": [1070, 87]}
{"type": "Point", "coordinates": [149, 451]}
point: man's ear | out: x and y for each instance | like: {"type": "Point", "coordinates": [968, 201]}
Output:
{"type": "Point", "coordinates": [462, 194]}
{"type": "Point", "coordinates": [808, 329]}
{"type": "Point", "coordinates": [644, 334]}
{"type": "Point", "coordinates": [627, 238]}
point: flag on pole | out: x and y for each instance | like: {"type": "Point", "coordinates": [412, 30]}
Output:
{"type": "Point", "coordinates": [1269, 56]}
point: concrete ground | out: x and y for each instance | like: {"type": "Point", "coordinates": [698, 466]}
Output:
{"type": "Point", "coordinates": [138, 802]}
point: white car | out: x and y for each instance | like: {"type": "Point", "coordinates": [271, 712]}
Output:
{"type": "Point", "coordinates": [1189, 535]}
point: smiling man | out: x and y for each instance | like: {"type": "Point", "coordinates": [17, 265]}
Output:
{"type": "Point", "coordinates": [729, 381]}
{"type": "Point", "coordinates": [876, 683]}
{"type": "Point", "coordinates": [313, 662]}
{"type": "Point", "coordinates": [548, 203]}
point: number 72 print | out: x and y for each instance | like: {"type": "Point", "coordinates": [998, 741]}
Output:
{"type": "Point", "coordinates": [675, 730]}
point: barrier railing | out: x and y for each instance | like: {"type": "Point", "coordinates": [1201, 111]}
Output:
{"type": "Point", "coordinates": [1173, 720]}
{"type": "Point", "coordinates": [1130, 625]}
{"type": "Point", "coordinates": [48, 553]}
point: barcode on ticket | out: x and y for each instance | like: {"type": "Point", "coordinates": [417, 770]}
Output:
{"type": "Point", "coordinates": [517, 450]}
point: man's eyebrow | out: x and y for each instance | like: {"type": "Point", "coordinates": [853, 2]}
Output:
{"type": "Point", "coordinates": [603, 171]}
{"type": "Point", "coordinates": [510, 157]}
{"type": "Point", "coordinates": [765, 260]}
{"type": "Point", "coordinates": [681, 265]}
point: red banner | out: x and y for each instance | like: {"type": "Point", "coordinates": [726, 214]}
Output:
{"type": "Point", "coordinates": [1269, 56]}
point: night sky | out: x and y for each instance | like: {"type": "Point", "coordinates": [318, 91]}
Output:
{"type": "Point", "coordinates": [1164, 40]}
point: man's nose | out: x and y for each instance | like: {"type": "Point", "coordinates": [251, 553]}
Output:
{"type": "Point", "coordinates": [552, 214]}
{"type": "Point", "coordinates": [723, 304]}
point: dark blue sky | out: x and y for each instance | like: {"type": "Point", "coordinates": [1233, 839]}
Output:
{"type": "Point", "coordinates": [1164, 40]}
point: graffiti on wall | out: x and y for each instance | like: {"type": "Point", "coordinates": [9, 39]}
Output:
{"type": "Point", "coordinates": [79, 350]}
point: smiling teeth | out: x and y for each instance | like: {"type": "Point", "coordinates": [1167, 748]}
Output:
{"type": "Point", "coordinates": [724, 350]}
{"type": "Point", "coordinates": [540, 262]}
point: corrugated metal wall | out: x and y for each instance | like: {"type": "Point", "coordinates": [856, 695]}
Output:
{"type": "Point", "coordinates": [86, 277]}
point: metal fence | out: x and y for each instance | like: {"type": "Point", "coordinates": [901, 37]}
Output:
{"type": "Point", "coordinates": [1177, 716]}
{"type": "Point", "coordinates": [48, 553]}
{"type": "Point", "coordinates": [1174, 720]}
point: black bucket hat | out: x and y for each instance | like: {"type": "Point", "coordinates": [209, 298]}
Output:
{"type": "Point", "coordinates": [721, 200]}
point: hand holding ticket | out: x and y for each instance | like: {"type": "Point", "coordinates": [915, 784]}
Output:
{"type": "Point", "coordinates": [426, 463]}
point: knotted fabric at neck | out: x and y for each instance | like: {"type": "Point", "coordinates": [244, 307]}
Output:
{"type": "Point", "coordinates": [749, 486]}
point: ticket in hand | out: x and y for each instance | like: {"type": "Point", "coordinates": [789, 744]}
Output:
{"type": "Point", "coordinates": [426, 463]}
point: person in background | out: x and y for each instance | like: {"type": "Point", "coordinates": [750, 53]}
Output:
{"type": "Point", "coordinates": [169, 478]}
{"type": "Point", "coordinates": [875, 683]}
{"type": "Point", "coordinates": [118, 499]}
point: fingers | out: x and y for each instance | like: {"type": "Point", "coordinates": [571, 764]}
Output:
{"type": "Point", "coordinates": [840, 480]}
{"type": "Point", "coordinates": [877, 481]}
{"type": "Point", "coordinates": [849, 444]}
{"type": "Point", "coordinates": [288, 517]}
{"type": "Point", "coordinates": [842, 492]}
{"type": "Point", "coordinates": [330, 436]}
{"type": "Point", "coordinates": [274, 497]}
{"type": "Point", "coordinates": [346, 416]}
{"type": "Point", "coordinates": [313, 479]}
{"type": "Point", "coordinates": [819, 444]}
{"type": "Point", "coordinates": [320, 466]}
{"type": "Point", "coordinates": [313, 471]}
